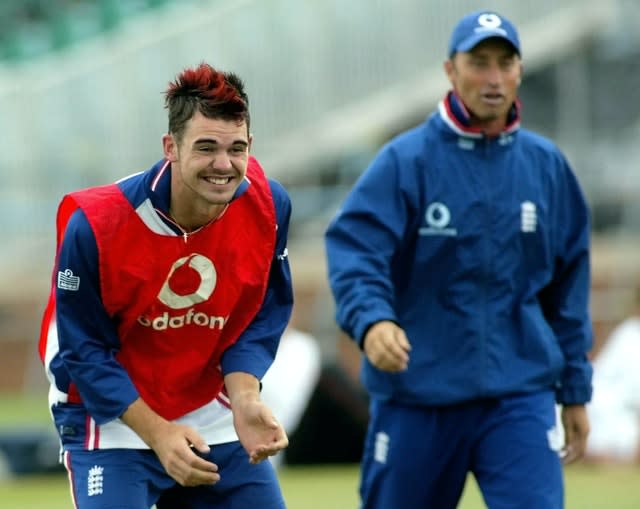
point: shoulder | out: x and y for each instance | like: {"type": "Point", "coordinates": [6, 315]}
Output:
{"type": "Point", "coordinates": [404, 158]}
{"type": "Point", "coordinates": [413, 139]}
{"type": "Point", "coordinates": [278, 191]}
{"type": "Point", "coordinates": [532, 141]}
{"type": "Point", "coordinates": [79, 236]}
{"type": "Point", "coordinates": [78, 225]}
{"type": "Point", "coordinates": [412, 147]}
{"type": "Point", "coordinates": [542, 155]}
{"type": "Point", "coordinates": [135, 187]}
{"type": "Point", "coordinates": [255, 173]}
{"type": "Point", "coordinates": [281, 198]}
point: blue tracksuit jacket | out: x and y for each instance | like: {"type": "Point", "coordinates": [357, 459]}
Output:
{"type": "Point", "coordinates": [479, 249]}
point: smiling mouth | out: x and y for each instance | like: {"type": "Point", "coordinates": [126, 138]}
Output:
{"type": "Point", "coordinates": [218, 181]}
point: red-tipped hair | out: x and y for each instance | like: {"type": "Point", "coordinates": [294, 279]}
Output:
{"type": "Point", "coordinates": [203, 89]}
{"type": "Point", "coordinates": [207, 83]}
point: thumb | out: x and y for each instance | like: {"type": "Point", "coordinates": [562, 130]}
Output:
{"type": "Point", "coordinates": [403, 341]}
{"type": "Point", "coordinates": [269, 419]}
{"type": "Point", "coordinates": [197, 442]}
{"type": "Point", "coordinates": [273, 424]}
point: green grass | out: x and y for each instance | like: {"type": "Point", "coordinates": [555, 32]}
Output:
{"type": "Point", "coordinates": [317, 487]}
{"type": "Point", "coordinates": [16, 410]}
{"type": "Point", "coordinates": [335, 487]}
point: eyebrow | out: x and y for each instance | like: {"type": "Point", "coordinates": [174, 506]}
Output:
{"type": "Point", "coordinates": [203, 141]}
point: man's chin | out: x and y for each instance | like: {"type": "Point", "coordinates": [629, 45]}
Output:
{"type": "Point", "coordinates": [487, 118]}
{"type": "Point", "coordinates": [219, 198]}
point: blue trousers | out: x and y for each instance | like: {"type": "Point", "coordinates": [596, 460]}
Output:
{"type": "Point", "coordinates": [135, 479]}
{"type": "Point", "coordinates": [419, 457]}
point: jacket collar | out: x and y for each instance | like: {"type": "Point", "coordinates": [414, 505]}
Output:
{"type": "Point", "coordinates": [455, 115]}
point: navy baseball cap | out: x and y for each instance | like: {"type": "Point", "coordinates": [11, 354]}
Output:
{"type": "Point", "coordinates": [479, 26]}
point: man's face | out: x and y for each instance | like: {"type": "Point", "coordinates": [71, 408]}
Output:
{"type": "Point", "coordinates": [486, 79]}
{"type": "Point", "coordinates": [209, 163]}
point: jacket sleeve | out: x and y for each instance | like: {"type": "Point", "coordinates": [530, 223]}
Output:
{"type": "Point", "coordinates": [256, 347]}
{"type": "Point", "coordinates": [565, 301]}
{"type": "Point", "coordinates": [87, 336]}
{"type": "Point", "coordinates": [361, 242]}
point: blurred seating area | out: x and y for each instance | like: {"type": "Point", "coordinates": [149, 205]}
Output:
{"type": "Point", "coordinates": [35, 28]}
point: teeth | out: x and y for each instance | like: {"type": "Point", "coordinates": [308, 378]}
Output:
{"type": "Point", "coordinates": [219, 180]}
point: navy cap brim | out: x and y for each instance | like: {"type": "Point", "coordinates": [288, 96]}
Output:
{"type": "Point", "coordinates": [471, 42]}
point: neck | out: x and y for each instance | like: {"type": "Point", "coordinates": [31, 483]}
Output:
{"type": "Point", "coordinates": [191, 220]}
{"type": "Point", "coordinates": [491, 128]}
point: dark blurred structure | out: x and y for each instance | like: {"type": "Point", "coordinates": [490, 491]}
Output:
{"type": "Point", "coordinates": [333, 427]}
{"type": "Point", "coordinates": [26, 451]}
{"type": "Point", "coordinates": [31, 29]}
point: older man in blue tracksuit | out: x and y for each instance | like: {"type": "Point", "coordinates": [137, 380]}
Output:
{"type": "Point", "coordinates": [460, 264]}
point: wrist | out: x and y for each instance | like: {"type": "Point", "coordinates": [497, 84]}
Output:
{"type": "Point", "coordinates": [242, 386]}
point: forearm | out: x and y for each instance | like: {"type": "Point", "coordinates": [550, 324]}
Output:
{"type": "Point", "coordinates": [147, 424]}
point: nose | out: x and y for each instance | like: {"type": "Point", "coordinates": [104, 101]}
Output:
{"type": "Point", "coordinates": [494, 75]}
{"type": "Point", "coordinates": [222, 161]}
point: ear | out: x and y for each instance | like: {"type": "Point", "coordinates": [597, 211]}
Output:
{"type": "Point", "coordinates": [250, 140]}
{"type": "Point", "coordinates": [449, 69]}
{"type": "Point", "coordinates": [170, 148]}
{"type": "Point", "coordinates": [521, 73]}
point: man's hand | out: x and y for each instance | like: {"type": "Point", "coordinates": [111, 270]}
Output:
{"type": "Point", "coordinates": [174, 444]}
{"type": "Point", "coordinates": [176, 447]}
{"type": "Point", "coordinates": [259, 432]}
{"type": "Point", "coordinates": [387, 347]}
{"type": "Point", "coordinates": [576, 430]}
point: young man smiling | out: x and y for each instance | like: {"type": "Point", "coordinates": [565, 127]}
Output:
{"type": "Point", "coordinates": [171, 289]}
{"type": "Point", "coordinates": [459, 262]}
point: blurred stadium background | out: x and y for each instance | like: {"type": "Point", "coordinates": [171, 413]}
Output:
{"type": "Point", "coordinates": [81, 103]}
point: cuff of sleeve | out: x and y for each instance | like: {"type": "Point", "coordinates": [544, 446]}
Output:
{"type": "Point", "coordinates": [573, 395]}
{"type": "Point", "coordinates": [256, 367]}
{"type": "Point", "coordinates": [116, 408]}
{"type": "Point", "coordinates": [365, 323]}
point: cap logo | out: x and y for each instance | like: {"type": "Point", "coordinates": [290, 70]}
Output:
{"type": "Point", "coordinates": [490, 23]}
{"type": "Point", "coordinates": [489, 20]}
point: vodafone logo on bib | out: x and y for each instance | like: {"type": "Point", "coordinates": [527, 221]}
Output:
{"type": "Point", "coordinates": [191, 280]}
{"type": "Point", "coordinates": [181, 276]}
